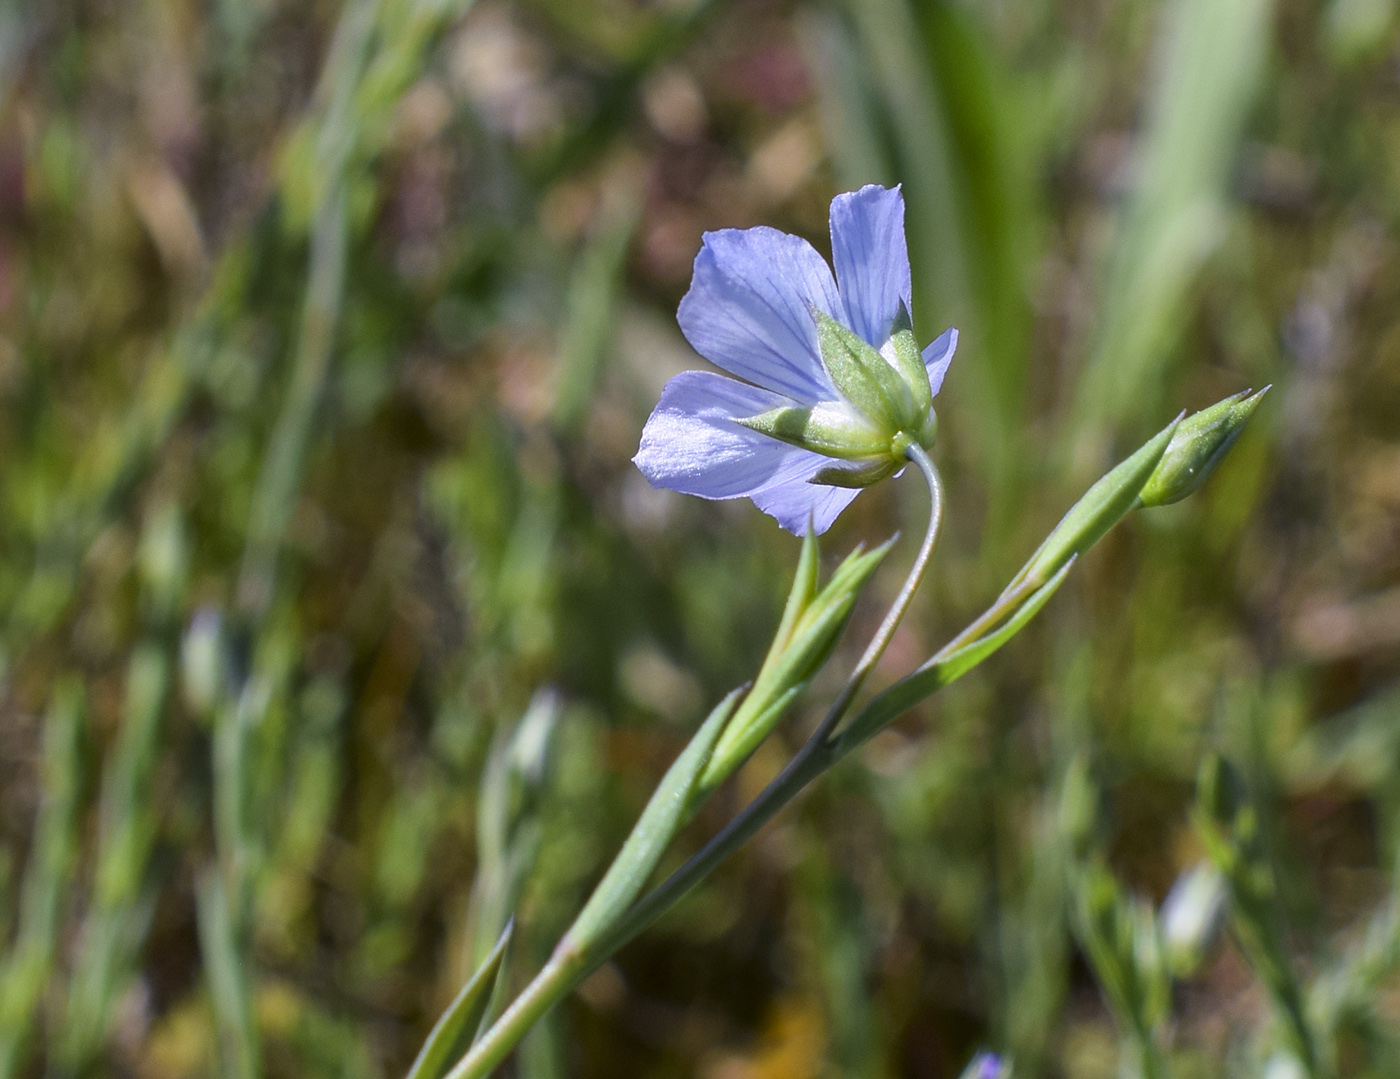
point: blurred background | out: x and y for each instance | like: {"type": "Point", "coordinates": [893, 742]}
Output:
{"type": "Point", "coordinates": [336, 625]}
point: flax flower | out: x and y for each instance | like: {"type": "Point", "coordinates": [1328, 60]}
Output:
{"type": "Point", "coordinates": [833, 386]}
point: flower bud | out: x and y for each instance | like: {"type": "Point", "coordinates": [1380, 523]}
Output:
{"type": "Point", "coordinates": [202, 661]}
{"type": "Point", "coordinates": [1284, 1065]}
{"type": "Point", "coordinates": [1191, 917]}
{"type": "Point", "coordinates": [1077, 813]}
{"type": "Point", "coordinates": [1199, 444]}
{"type": "Point", "coordinates": [164, 560]}
{"type": "Point", "coordinates": [533, 740]}
{"type": "Point", "coordinates": [987, 1065]}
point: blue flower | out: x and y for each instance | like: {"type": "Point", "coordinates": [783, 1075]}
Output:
{"type": "Point", "coordinates": [987, 1065]}
{"type": "Point", "coordinates": [834, 387]}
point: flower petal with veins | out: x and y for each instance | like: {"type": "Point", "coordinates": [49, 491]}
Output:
{"type": "Point", "coordinates": [753, 309]}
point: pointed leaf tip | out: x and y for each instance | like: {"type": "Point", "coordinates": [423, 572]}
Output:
{"type": "Point", "coordinates": [456, 1031]}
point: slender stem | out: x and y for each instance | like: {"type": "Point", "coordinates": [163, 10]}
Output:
{"type": "Point", "coordinates": [553, 982]}
{"type": "Point", "coordinates": [567, 967]}
{"type": "Point", "coordinates": [279, 482]}
{"type": "Point", "coordinates": [876, 648]}
{"type": "Point", "coordinates": [1147, 1061]}
{"type": "Point", "coordinates": [817, 754]}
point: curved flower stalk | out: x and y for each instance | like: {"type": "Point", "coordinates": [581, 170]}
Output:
{"type": "Point", "coordinates": [835, 386]}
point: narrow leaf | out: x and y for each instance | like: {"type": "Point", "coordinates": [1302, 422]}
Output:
{"type": "Point", "coordinates": [780, 683]}
{"type": "Point", "coordinates": [652, 834]}
{"type": "Point", "coordinates": [454, 1033]}
{"type": "Point", "coordinates": [1104, 504]}
{"type": "Point", "coordinates": [818, 630]}
{"type": "Point", "coordinates": [940, 672]}
{"type": "Point", "coordinates": [804, 587]}
{"type": "Point", "coordinates": [969, 656]}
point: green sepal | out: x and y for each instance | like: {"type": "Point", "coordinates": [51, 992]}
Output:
{"type": "Point", "coordinates": [655, 829]}
{"type": "Point", "coordinates": [457, 1030]}
{"type": "Point", "coordinates": [1199, 444]}
{"type": "Point", "coordinates": [831, 430]}
{"type": "Point", "coordinates": [1105, 504]}
{"type": "Point", "coordinates": [865, 476]}
{"type": "Point", "coordinates": [863, 376]}
{"type": "Point", "coordinates": [909, 361]}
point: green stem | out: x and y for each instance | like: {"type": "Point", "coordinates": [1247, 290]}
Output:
{"type": "Point", "coordinates": [568, 966]}
{"type": "Point", "coordinates": [818, 754]}
{"type": "Point", "coordinates": [1146, 1061]}
{"type": "Point", "coordinates": [280, 481]}
{"type": "Point", "coordinates": [883, 635]}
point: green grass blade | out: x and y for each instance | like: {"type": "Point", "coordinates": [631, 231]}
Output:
{"type": "Point", "coordinates": [26, 969]}
{"type": "Point", "coordinates": [227, 976]}
{"type": "Point", "coordinates": [1209, 71]}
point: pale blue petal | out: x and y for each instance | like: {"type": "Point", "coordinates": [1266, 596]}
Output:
{"type": "Point", "coordinates": [691, 443]}
{"type": "Point", "coordinates": [984, 1065]}
{"type": "Point", "coordinates": [872, 259]}
{"type": "Point", "coordinates": [796, 502]}
{"type": "Point", "coordinates": [938, 356]}
{"type": "Point", "coordinates": [749, 310]}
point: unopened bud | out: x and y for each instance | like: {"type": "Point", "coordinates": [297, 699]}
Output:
{"type": "Point", "coordinates": [533, 739]}
{"type": "Point", "coordinates": [164, 559]}
{"type": "Point", "coordinates": [1284, 1065]}
{"type": "Point", "coordinates": [1198, 445]}
{"type": "Point", "coordinates": [1191, 917]}
{"type": "Point", "coordinates": [987, 1065]}
{"type": "Point", "coordinates": [202, 669]}
{"type": "Point", "coordinates": [1078, 810]}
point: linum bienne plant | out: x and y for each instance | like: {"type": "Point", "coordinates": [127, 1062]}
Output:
{"type": "Point", "coordinates": [835, 396]}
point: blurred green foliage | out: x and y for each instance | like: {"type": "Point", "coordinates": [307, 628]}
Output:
{"type": "Point", "coordinates": [336, 626]}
